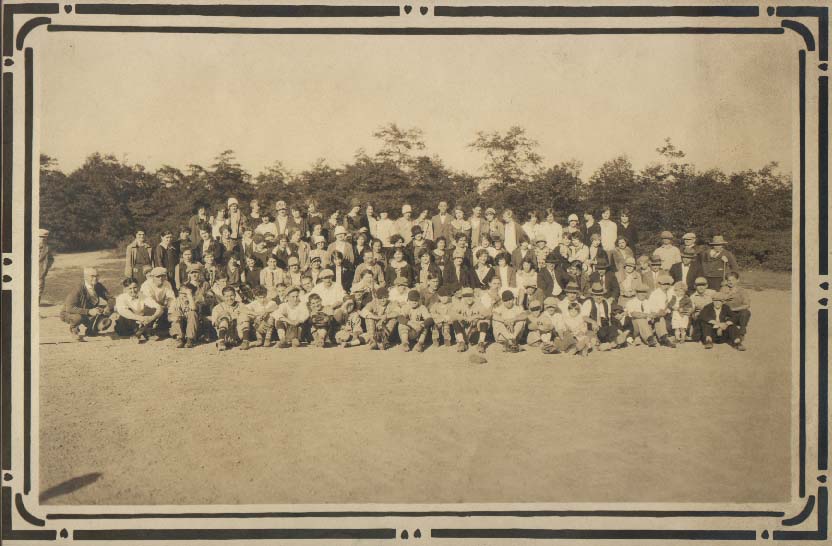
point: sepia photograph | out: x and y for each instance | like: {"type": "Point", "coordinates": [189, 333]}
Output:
{"type": "Point", "coordinates": [460, 261]}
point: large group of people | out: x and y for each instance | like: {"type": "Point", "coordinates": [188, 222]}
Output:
{"type": "Point", "coordinates": [294, 277]}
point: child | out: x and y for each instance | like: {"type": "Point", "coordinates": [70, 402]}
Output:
{"type": "Point", "coordinates": [508, 322]}
{"type": "Point", "coordinates": [184, 318]}
{"type": "Point", "coordinates": [226, 318]}
{"type": "Point", "coordinates": [398, 296]}
{"type": "Point", "coordinates": [320, 322]}
{"type": "Point", "coordinates": [415, 322]}
{"type": "Point", "coordinates": [441, 312]}
{"type": "Point", "coordinates": [575, 324]}
{"type": "Point", "coordinates": [538, 324]}
{"type": "Point", "coordinates": [364, 287]}
{"type": "Point", "coordinates": [380, 318]}
{"type": "Point", "coordinates": [290, 317]}
{"type": "Point", "coordinates": [259, 316]}
{"type": "Point", "coordinates": [471, 321]}
{"type": "Point", "coordinates": [681, 311]}
{"type": "Point", "coordinates": [351, 333]}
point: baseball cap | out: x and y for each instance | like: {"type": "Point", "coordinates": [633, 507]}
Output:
{"type": "Point", "coordinates": [414, 295]}
{"type": "Point", "coordinates": [326, 273]}
{"type": "Point", "coordinates": [382, 292]}
{"type": "Point", "coordinates": [701, 281]}
{"type": "Point", "coordinates": [551, 301]}
{"type": "Point", "coordinates": [194, 267]}
{"type": "Point", "coordinates": [158, 271]}
{"type": "Point", "coordinates": [507, 295]}
{"type": "Point", "coordinates": [466, 292]}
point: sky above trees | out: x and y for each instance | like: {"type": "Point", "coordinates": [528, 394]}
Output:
{"type": "Point", "coordinates": [727, 101]}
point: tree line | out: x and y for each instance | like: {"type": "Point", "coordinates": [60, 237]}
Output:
{"type": "Point", "coordinates": [102, 203]}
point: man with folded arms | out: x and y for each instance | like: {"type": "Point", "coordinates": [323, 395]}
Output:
{"type": "Point", "coordinates": [289, 319]}
{"type": "Point", "coordinates": [471, 321]}
{"type": "Point", "coordinates": [508, 322]}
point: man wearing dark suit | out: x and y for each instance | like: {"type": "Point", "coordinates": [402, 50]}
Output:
{"type": "Point", "coordinates": [686, 271]}
{"type": "Point", "coordinates": [342, 270]}
{"type": "Point", "coordinates": [520, 254]}
{"type": "Point", "coordinates": [606, 279]}
{"type": "Point", "coordinates": [717, 323]}
{"type": "Point", "coordinates": [550, 279]}
{"type": "Point", "coordinates": [165, 255]}
{"type": "Point", "coordinates": [442, 223]}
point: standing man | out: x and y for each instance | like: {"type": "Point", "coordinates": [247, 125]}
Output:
{"type": "Point", "coordinates": [196, 221]}
{"type": "Point", "coordinates": [717, 262]}
{"type": "Point", "coordinates": [282, 219]}
{"type": "Point", "coordinates": [442, 223]}
{"type": "Point", "coordinates": [165, 255]}
{"type": "Point", "coordinates": [687, 270]}
{"type": "Point", "coordinates": [139, 254]}
{"type": "Point", "coordinates": [478, 225]}
{"type": "Point", "coordinates": [89, 305]}
{"type": "Point", "coordinates": [45, 261]}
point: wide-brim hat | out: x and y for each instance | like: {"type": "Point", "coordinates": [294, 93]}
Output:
{"type": "Point", "coordinates": [572, 288]}
{"type": "Point", "coordinates": [655, 260]}
{"type": "Point", "coordinates": [629, 261]}
{"type": "Point", "coordinates": [340, 230]}
{"type": "Point", "coordinates": [416, 230]}
{"type": "Point", "coordinates": [686, 253]}
{"type": "Point", "coordinates": [196, 267]}
{"type": "Point", "coordinates": [597, 290]}
{"type": "Point", "coordinates": [666, 235]}
{"type": "Point", "coordinates": [717, 240]}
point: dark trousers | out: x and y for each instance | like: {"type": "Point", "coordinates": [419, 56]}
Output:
{"type": "Point", "coordinates": [741, 319]}
{"type": "Point", "coordinates": [607, 332]}
{"type": "Point", "coordinates": [126, 327]}
{"type": "Point", "coordinates": [92, 324]}
{"type": "Point", "coordinates": [472, 331]}
{"type": "Point", "coordinates": [729, 335]}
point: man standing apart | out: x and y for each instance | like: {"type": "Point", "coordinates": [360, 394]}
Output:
{"type": "Point", "coordinates": [45, 261]}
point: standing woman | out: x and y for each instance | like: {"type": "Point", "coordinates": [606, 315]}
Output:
{"type": "Point", "coordinates": [332, 223]}
{"type": "Point", "coordinates": [441, 256]}
{"type": "Point", "coordinates": [532, 226]}
{"type": "Point", "coordinates": [368, 220]}
{"type": "Point", "coordinates": [507, 274]}
{"type": "Point", "coordinates": [460, 225]}
{"type": "Point", "coordinates": [589, 226]}
{"type": "Point", "coordinates": [596, 252]}
{"type": "Point", "coordinates": [300, 248]}
{"type": "Point", "coordinates": [627, 230]}
{"type": "Point", "coordinates": [609, 229]}
{"type": "Point", "coordinates": [360, 245]}
{"type": "Point", "coordinates": [220, 220]}
{"type": "Point", "coordinates": [424, 222]}
{"type": "Point", "coordinates": [550, 229]}
{"type": "Point", "coordinates": [620, 253]}
{"type": "Point", "coordinates": [629, 279]}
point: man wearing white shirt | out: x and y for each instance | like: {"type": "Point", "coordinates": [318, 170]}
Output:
{"type": "Point", "coordinates": [660, 304]}
{"type": "Point", "coordinates": [135, 312]}
{"type": "Point", "coordinates": [158, 292]}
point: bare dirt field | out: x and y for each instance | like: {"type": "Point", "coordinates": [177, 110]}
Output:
{"type": "Point", "coordinates": [150, 424]}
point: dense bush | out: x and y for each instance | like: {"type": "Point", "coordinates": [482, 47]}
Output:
{"type": "Point", "coordinates": [100, 204]}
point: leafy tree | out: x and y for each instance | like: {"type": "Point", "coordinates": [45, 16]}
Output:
{"type": "Point", "coordinates": [510, 158]}
{"type": "Point", "coordinates": [398, 145]}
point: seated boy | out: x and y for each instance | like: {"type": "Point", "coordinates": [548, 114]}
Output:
{"type": "Point", "coordinates": [184, 318]}
{"type": "Point", "coordinates": [351, 333]}
{"type": "Point", "coordinates": [440, 310]}
{"type": "Point", "coordinates": [260, 318]}
{"type": "Point", "coordinates": [471, 321]}
{"type": "Point", "coordinates": [229, 320]}
{"type": "Point", "coordinates": [320, 322]}
{"type": "Point", "coordinates": [290, 318]}
{"type": "Point", "coordinates": [380, 317]}
{"type": "Point", "coordinates": [508, 322]}
{"type": "Point", "coordinates": [415, 322]}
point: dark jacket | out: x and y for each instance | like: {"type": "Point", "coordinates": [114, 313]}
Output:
{"type": "Point", "coordinates": [609, 281]}
{"type": "Point", "coordinates": [629, 233]}
{"type": "Point", "coordinates": [79, 301]}
{"type": "Point", "coordinates": [347, 275]}
{"type": "Point", "coordinates": [485, 282]}
{"type": "Point", "coordinates": [433, 270]}
{"type": "Point", "coordinates": [694, 271]}
{"type": "Point", "coordinates": [454, 282]}
{"type": "Point", "coordinates": [216, 248]}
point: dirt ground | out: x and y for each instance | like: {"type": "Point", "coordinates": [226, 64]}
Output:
{"type": "Point", "coordinates": [150, 424]}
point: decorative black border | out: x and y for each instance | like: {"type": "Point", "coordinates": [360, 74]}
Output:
{"type": "Point", "coordinates": [810, 16]}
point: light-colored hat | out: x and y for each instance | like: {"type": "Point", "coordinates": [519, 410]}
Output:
{"type": "Point", "coordinates": [232, 201]}
{"type": "Point", "coordinates": [459, 253]}
{"type": "Point", "coordinates": [701, 281]}
{"type": "Point", "coordinates": [655, 260]}
{"type": "Point", "coordinates": [717, 240]}
{"type": "Point", "coordinates": [642, 288]}
{"type": "Point", "coordinates": [535, 304]}
{"type": "Point", "coordinates": [551, 301]}
{"type": "Point", "coordinates": [280, 205]}
{"type": "Point", "coordinates": [572, 217]}
{"type": "Point", "coordinates": [689, 236]}
{"type": "Point", "coordinates": [326, 273]}
{"type": "Point", "coordinates": [490, 210]}
{"type": "Point", "coordinates": [597, 290]}
{"type": "Point", "coordinates": [158, 271]}
{"type": "Point", "coordinates": [340, 230]}
{"type": "Point", "coordinates": [718, 296]}
{"type": "Point", "coordinates": [293, 260]}
{"type": "Point", "coordinates": [44, 233]}
{"type": "Point", "coordinates": [406, 208]}
{"type": "Point", "coordinates": [318, 239]}
{"type": "Point", "coordinates": [629, 260]}
{"type": "Point", "coordinates": [666, 235]}
{"type": "Point", "coordinates": [195, 267]}
{"type": "Point", "coordinates": [572, 287]}
{"type": "Point", "coordinates": [540, 239]}
{"type": "Point", "coordinates": [665, 279]}
{"type": "Point", "coordinates": [466, 292]}
{"type": "Point", "coordinates": [292, 289]}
